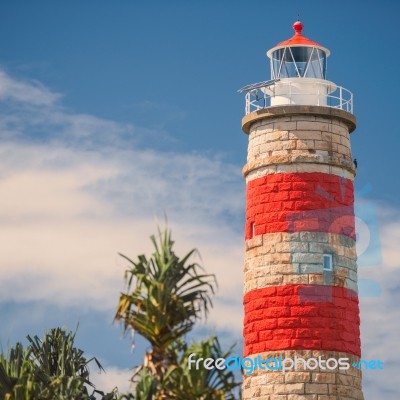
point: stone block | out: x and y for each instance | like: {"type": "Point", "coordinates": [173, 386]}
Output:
{"type": "Point", "coordinates": [274, 377]}
{"type": "Point", "coordinates": [327, 377]}
{"type": "Point", "coordinates": [316, 388]}
{"type": "Point", "coordinates": [321, 168]}
{"type": "Point", "coordinates": [304, 144]}
{"type": "Point", "coordinates": [258, 380]}
{"type": "Point", "coordinates": [297, 247]}
{"type": "Point", "coordinates": [345, 262]}
{"type": "Point", "coordinates": [345, 141]}
{"type": "Point", "coordinates": [285, 125]}
{"type": "Point", "coordinates": [344, 150]}
{"type": "Point", "coordinates": [349, 252]}
{"type": "Point", "coordinates": [296, 279]}
{"type": "Point", "coordinates": [314, 237]}
{"type": "Point", "coordinates": [346, 380]}
{"type": "Point", "coordinates": [254, 242]}
{"type": "Point", "coordinates": [323, 154]}
{"type": "Point", "coordinates": [318, 247]}
{"type": "Point", "coordinates": [307, 258]}
{"type": "Point", "coordinates": [311, 268]}
{"type": "Point", "coordinates": [271, 280]}
{"type": "Point", "coordinates": [287, 388]}
{"type": "Point", "coordinates": [288, 144]}
{"type": "Point", "coordinates": [316, 279]}
{"type": "Point", "coordinates": [322, 145]}
{"type": "Point", "coordinates": [285, 168]}
{"type": "Point", "coordinates": [335, 138]}
{"type": "Point", "coordinates": [276, 135]}
{"type": "Point", "coordinates": [253, 391]}
{"type": "Point", "coordinates": [283, 269]}
{"type": "Point", "coordinates": [345, 391]}
{"type": "Point", "coordinates": [261, 271]}
{"type": "Point", "coordinates": [341, 130]}
{"type": "Point", "coordinates": [327, 136]}
{"type": "Point", "coordinates": [272, 238]}
{"type": "Point", "coordinates": [280, 153]}
{"type": "Point", "coordinates": [264, 127]}
{"type": "Point", "coordinates": [291, 236]}
{"type": "Point", "coordinates": [305, 135]}
{"type": "Point", "coordinates": [292, 377]}
{"type": "Point", "coordinates": [313, 125]}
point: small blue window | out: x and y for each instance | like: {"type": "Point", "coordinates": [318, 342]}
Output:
{"type": "Point", "coordinates": [328, 262]}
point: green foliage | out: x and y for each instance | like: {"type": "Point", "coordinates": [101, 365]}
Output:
{"type": "Point", "coordinates": [165, 296]}
{"type": "Point", "coordinates": [184, 383]}
{"type": "Point", "coordinates": [146, 387]}
{"type": "Point", "coordinates": [49, 369]}
{"type": "Point", "coordinates": [16, 374]}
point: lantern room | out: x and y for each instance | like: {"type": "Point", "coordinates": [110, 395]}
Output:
{"type": "Point", "coordinates": [298, 57]}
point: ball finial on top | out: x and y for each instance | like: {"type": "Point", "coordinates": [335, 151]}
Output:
{"type": "Point", "coordinates": [298, 27]}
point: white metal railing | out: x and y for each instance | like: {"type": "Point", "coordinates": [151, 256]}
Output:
{"type": "Point", "coordinates": [301, 91]}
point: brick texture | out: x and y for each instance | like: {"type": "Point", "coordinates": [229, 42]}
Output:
{"type": "Point", "coordinates": [299, 139]}
{"type": "Point", "coordinates": [297, 258]}
{"type": "Point", "coordinates": [302, 384]}
{"type": "Point", "coordinates": [300, 202]}
{"type": "Point", "coordinates": [301, 317]}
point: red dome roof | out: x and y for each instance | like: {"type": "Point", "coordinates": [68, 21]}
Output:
{"type": "Point", "coordinates": [298, 39]}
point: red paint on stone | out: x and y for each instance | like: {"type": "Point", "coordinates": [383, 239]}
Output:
{"type": "Point", "coordinates": [318, 318]}
{"type": "Point", "coordinates": [300, 202]}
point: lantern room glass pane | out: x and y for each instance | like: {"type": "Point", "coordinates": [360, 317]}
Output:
{"type": "Point", "coordinates": [277, 57]}
{"type": "Point", "coordinates": [316, 65]}
{"type": "Point", "coordinates": [301, 57]}
{"type": "Point", "coordinates": [299, 62]}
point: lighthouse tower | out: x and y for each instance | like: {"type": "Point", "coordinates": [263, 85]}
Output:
{"type": "Point", "coordinates": [301, 320]}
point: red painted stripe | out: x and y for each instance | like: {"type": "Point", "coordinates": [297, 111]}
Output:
{"type": "Point", "coordinates": [300, 202]}
{"type": "Point", "coordinates": [297, 317]}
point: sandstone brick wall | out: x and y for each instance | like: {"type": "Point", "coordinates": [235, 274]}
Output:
{"type": "Point", "coordinates": [306, 139]}
{"type": "Point", "coordinates": [299, 207]}
{"type": "Point", "coordinates": [296, 258]}
{"type": "Point", "coordinates": [303, 384]}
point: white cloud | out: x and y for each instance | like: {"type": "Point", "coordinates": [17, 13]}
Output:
{"type": "Point", "coordinates": [83, 192]}
{"type": "Point", "coordinates": [32, 93]}
{"type": "Point", "coordinates": [57, 194]}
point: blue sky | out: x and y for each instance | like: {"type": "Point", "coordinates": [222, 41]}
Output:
{"type": "Point", "coordinates": [113, 112]}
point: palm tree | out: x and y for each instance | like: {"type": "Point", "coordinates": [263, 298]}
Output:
{"type": "Point", "coordinates": [165, 296]}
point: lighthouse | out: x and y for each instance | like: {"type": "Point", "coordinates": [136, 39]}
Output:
{"type": "Point", "coordinates": [301, 312]}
